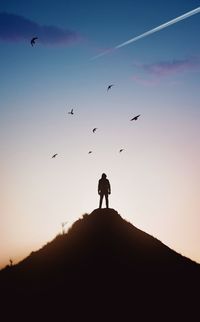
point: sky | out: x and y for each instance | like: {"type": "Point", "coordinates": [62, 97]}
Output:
{"type": "Point", "coordinates": [155, 180]}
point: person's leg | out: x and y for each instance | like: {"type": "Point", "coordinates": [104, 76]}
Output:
{"type": "Point", "coordinates": [100, 201]}
{"type": "Point", "coordinates": [106, 196]}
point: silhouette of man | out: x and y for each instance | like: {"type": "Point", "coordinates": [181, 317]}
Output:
{"type": "Point", "coordinates": [104, 189]}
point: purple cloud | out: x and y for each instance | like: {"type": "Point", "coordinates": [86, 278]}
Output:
{"type": "Point", "coordinates": [156, 71]}
{"type": "Point", "coordinates": [15, 28]}
{"type": "Point", "coordinates": [166, 68]}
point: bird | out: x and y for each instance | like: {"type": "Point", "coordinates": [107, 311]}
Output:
{"type": "Point", "coordinates": [33, 41]}
{"type": "Point", "coordinates": [89, 152]}
{"type": "Point", "coordinates": [135, 118]}
{"type": "Point", "coordinates": [121, 150]}
{"type": "Point", "coordinates": [109, 87]}
{"type": "Point", "coordinates": [54, 155]}
{"type": "Point", "coordinates": [71, 112]}
{"type": "Point", "coordinates": [94, 130]}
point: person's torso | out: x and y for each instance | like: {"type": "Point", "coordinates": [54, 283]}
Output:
{"type": "Point", "coordinates": [104, 185]}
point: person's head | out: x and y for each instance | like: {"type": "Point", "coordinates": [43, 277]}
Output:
{"type": "Point", "coordinates": [103, 176]}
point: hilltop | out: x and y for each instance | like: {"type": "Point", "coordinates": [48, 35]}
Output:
{"type": "Point", "coordinates": [103, 264]}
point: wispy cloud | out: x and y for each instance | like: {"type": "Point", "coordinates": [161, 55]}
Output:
{"type": "Point", "coordinates": [165, 68]}
{"type": "Point", "coordinates": [15, 28]}
{"type": "Point", "coordinates": [154, 72]}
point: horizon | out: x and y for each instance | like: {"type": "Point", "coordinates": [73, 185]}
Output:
{"type": "Point", "coordinates": [100, 212]}
{"type": "Point", "coordinates": [155, 180]}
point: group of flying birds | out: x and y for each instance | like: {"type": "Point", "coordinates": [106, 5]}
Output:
{"type": "Point", "coordinates": [71, 112]}
{"type": "Point", "coordinates": [95, 128]}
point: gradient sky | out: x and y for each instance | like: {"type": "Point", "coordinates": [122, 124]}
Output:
{"type": "Point", "coordinates": [155, 181]}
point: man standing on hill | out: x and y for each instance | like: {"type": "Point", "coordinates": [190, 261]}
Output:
{"type": "Point", "coordinates": [104, 189]}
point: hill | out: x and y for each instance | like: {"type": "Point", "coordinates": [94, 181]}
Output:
{"type": "Point", "coordinates": [103, 267]}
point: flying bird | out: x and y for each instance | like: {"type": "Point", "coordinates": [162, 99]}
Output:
{"type": "Point", "coordinates": [109, 87]}
{"type": "Point", "coordinates": [71, 112]}
{"type": "Point", "coordinates": [121, 150]}
{"type": "Point", "coordinates": [54, 155]}
{"type": "Point", "coordinates": [135, 118]}
{"type": "Point", "coordinates": [33, 40]}
{"type": "Point", "coordinates": [94, 130]}
{"type": "Point", "coordinates": [89, 152]}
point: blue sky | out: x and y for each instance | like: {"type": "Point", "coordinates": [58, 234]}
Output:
{"type": "Point", "coordinates": [155, 181]}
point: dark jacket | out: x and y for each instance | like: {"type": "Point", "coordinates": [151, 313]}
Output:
{"type": "Point", "coordinates": [104, 186]}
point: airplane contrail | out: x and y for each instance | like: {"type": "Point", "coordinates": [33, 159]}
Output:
{"type": "Point", "coordinates": [147, 33]}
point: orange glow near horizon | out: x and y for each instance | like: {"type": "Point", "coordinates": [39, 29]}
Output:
{"type": "Point", "coordinates": [154, 185]}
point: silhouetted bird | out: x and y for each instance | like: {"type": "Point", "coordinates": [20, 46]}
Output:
{"type": "Point", "coordinates": [89, 152]}
{"type": "Point", "coordinates": [71, 112]}
{"type": "Point", "coordinates": [94, 130]}
{"type": "Point", "coordinates": [135, 118]}
{"type": "Point", "coordinates": [109, 87]}
{"type": "Point", "coordinates": [54, 155]}
{"type": "Point", "coordinates": [33, 40]}
{"type": "Point", "coordinates": [121, 150]}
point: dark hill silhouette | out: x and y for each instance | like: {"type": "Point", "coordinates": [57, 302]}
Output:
{"type": "Point", "coordinates": [104, 268]}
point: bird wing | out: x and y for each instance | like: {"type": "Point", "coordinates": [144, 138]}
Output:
{"type": "Point", "coordinates": [33, 40]}
{"type": "Point", "coordinates": [135, 117]}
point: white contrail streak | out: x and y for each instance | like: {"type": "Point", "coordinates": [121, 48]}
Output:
{"type": "Point", "coordinates": [147, 33]}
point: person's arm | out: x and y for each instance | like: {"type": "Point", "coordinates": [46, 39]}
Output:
{"type": "Point", "coordinates": [109, 188]}
{"type": "Point", "coordinates": [99, 190]}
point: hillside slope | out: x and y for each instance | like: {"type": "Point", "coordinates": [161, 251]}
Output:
{"type": "Point", "coordinates": [104, 260]}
